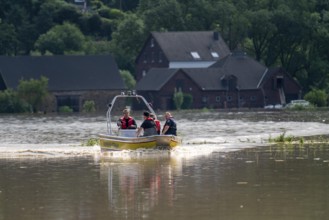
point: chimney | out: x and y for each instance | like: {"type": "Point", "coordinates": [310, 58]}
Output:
{"type": "Point", "coordinates": [216, 35]}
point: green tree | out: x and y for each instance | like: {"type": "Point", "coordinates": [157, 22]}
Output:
{"type": "Point", "coordinates": [8, 39]}
{"type": "Point", "coordinates": [33, 92]}
{"type": "Point", "coordinates": [261, 31]}
{"type": "Point", "coordinates": [162, 15]}
{"type": "Point", "coordinates": [61, 39]}
{"type": "Point", "coordinates": [128, 79]}
{"type": "Point", "coordinates": [127, 40]}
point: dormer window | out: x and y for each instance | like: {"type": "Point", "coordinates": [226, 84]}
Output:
{"type": "Point", "coordinates": [195, 55]}
{"type": "Point", "coordinates": [214, 55]}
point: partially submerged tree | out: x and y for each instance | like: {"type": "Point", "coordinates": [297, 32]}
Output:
{"type": "Point", "coordinates": [33, 92]}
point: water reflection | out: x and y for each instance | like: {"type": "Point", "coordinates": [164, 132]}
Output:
{"type": "Point", "coordinates": [274, 182]}
{"type": "Point", "coordinates": [138, 186]}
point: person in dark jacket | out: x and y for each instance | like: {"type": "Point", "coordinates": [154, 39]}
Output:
{"type": "Point", "coordinates": [170, 126]}
{"type": "Point", "coordinates": [148, 126]}
{"type": "Point", "coordinates": [126, 121]}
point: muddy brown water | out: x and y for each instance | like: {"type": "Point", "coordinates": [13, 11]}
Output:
{"type": "Point", "coordinates": [224, 170]}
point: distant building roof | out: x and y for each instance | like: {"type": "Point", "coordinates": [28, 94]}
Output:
{"type": "Point", "coordinates": [192, 45]}
{"type": "Point", "coordinates": [207, 78]}
{"type": "Point", "coordinates": [248, 71]}
{"type": "Point", "coordinates": [64, 72]}
{"type": "Point", "coordinates": [155, 79]}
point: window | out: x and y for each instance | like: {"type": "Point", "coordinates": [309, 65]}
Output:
{"type": "Point", "coordinates": [195, 55]}
{"type": "Point", "coordinates": [214, 55]}
{"type": "Point", "coordinates": [204, 99]}
{"type": "Point", "coordinates": [217, 98]}
{"type": "Point", "coordinates": [253, 98]}
{"type": "Point", "coordinates": [72, 101]}
{"type": "Point", "coordinates": [144, 73]}
{"type": "Point", "coordinates": [152, 42]}
{"type": "Point", "coordinates": [229, 98]}
{"type": "Point", "coordinates": [152, 57]}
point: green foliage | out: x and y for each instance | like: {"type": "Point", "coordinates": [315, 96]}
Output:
{"type": "Point", "coordinates": [317, 97]}
{"type": "Point", "coordinates": [89, 106]}
{"type": "Point", "coordinates": [33, 91]}
{"type": "Point", "coordinates": [128, 79]}
{"type": "Point", "coordinates": [61, 39]}
{"type": "Point", "coordinates": [65, 109]}
{"type": "Point", "coordinates": [187, 102]}
{"type": "Point", "coordinates": [282, 138]}
{"type": "Point", "coordinates": [8, 39]}
{"type": "Point", "coordinates": [92, 142]}
{"type": "Point", "coordinates": [11, 103]}
{"type": "Point", "coordinates": [127, 40]}
{"type": "Point", "coordinates": [292, 34]}
{"type": "Point", "coordinates": [178, 99]}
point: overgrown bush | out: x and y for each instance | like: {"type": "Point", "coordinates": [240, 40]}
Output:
{"type": "Point", "coordinates": [33, 91]}
{"type": "Point", "coordinates": [178, 99]}
{"type": "Point", "coordinates": [317, 97]}
{"type": "Point", "coordinates": [11, 103]}
{"type": "Point", "coordinates": [65, 109]}
{"type": "Point", "coordinates": [187, 101]}
{"type": "Point", "coordinates": [88, 106]}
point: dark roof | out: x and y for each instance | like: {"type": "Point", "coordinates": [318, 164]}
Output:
{"type": "Point", "coordinates": [177, 46]}
{"type": "Point", "coordinates": [207, 78]}
{"type": "Point", "coordinates": [155, 79]}
{"type": "Point", "coordinates": [248, 71]}
{"type": "Point", "coordinates": [63, 72]}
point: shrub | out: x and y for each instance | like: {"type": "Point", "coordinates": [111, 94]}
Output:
{"type": "Point", "coordinates": [65, 109]}
{"type": "Point", "coordinates": [178, 99]}
{"type": "Point", "coordinates": [11, 103]}
{"type": "Point", "coordinates": [317, 97]}
{"type": "Point", "coordinates": [187, 101]}
{"type": "Point", "coordinates": [88, 106]}
{"type": "Point", "coordinates": [34, 92]}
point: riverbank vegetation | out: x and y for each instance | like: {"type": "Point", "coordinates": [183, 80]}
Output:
{"type": "Point", "coordinates": [289, 139]}
{"type": "Point", "coordinates": [292, 34]}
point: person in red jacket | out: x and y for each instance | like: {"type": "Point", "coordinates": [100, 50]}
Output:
{"type": "Point", "coordinates": [157, 122]}
{"type": "Point", "coordinates": [126, 121]}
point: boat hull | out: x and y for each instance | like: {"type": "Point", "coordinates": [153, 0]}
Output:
{"type": "Point", "coordinates": [110, 142]}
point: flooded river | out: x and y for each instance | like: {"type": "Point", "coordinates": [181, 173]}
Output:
{"type": "Point", "coordinates": [225, 169]}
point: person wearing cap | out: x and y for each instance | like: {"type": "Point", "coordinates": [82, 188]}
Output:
{"type": "Point", "coordinates": [126, 121]}
{"type": "Point", "coordinates": [157, 123]}
{"type": "Point", "coordinates": [170, 127]}
{"type": "Point", "coordinates": [148, 126]}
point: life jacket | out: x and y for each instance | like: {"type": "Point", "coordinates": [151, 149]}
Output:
{"type": "Point", "coordinates": [123, 122]}
{"type": "Point", "coordinates": [157, 125]}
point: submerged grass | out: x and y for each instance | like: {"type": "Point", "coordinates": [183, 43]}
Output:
{"type": "Point", "coordinates": [283, 139]}
{"type": "Point", "coordinates": [91, 142]}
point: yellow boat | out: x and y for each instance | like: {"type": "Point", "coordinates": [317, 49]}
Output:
{"type": "Point", "coordinates": [126, 139]}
